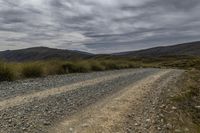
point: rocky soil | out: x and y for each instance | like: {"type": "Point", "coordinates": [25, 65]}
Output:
{"type": "Point", "coordinates": [148, 116]}
{"type": "Point", "coordinates": [41, 114]}
{"type": "Point", "coordinates": [21, 87]}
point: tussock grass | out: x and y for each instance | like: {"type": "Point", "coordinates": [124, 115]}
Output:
{"type": "Point", "coordinates": [76, 67]}
{"type": "Point", "coordinates": [53, 67]}
{"type": "Point", "coordinates": [12, 70]}
{"type": "Point", "coordinates": [188, 97]}
{"type": "Point", "coordinates": [97, 66]}
{"type": "Point", "coordinates": [6, 72]}
{"type": "Point", "coordinates": [32, 70]}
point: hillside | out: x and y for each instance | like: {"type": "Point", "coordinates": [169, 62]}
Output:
{"type": "Point", "coordinates": [44, 53]}
{"type": "Point", "coordinates": [41, 53]}
{"type": "Point", "coordinates": [188, 49]}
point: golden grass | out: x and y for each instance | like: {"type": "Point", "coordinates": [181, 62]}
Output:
{"type": "Point", "coordinates": [188, 97]}
{"type": "Point", "coordinates": [6, 72]}
{"type": "Point", "coordinates": [15, 70]}
{"type": "Point", "coordinates": [11, 71]}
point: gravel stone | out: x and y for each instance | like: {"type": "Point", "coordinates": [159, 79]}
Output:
{"type": "Point", "coordinates": [39, 115]}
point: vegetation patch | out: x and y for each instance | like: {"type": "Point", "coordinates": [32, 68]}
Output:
{"type": "Point", "coordinates": [32, 70]}
{"type": "Point", "coordinates": [18, 70]}
{"type": "Point", "coordinates": [187, 99]}
{"type": "Point", "coordinates": [6, 72]}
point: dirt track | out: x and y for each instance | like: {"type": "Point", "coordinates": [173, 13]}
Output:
{"type": "Point", "coordinates": [102, 103]}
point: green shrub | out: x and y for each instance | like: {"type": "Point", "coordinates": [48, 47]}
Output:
{"type": "Point", "coordinates": [96, 66]}
{"type": "Point", "coordinates": [77, 67]}
{"type": "Point", "coordinates": [70, 68]}
{"type": "Point", "coordinates": [83, 66]}
{"type": "Point", "coordinates": [110, 65]}
{"type": "Point", "coordinates": [32, 70]}
{"type": "Point", "coordinates": [6, 72]}
{"type": "Point", "coordinates": [133, 65]}
{"type": "Point", "coordinates": [54, 67]}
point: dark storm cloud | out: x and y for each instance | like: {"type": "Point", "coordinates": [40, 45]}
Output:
{"type": "Point", "coordinates": [98, 25]}
{"type": "Point", "coordinates": [13, 16]}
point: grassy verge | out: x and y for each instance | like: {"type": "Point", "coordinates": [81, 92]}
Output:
{"type": "Point", "coordinates": [11, 71]}
{"type": "Point", "coordinates": [15, 70]}
{"type": "Point", "coordinates": [181, 104]}
{"type": "Point", "coordinates": [188, 98]}
{"type": "Point", "coordinates": [6, 72]}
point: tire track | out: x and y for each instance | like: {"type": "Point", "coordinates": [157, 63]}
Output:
{"type": "Point", "coordinates": [18, 100]}
{"type": "Point", "coordinates": [105, 115]}
{"type": "Point", "coordinates": [23, 87]}
{"type": "Point", "coordinates": [146, 115]}
{"type": "Point", "coordinates": [39, 115]}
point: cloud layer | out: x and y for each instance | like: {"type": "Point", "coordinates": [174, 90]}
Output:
{"type": "Point", "coordinates": [98, 26]}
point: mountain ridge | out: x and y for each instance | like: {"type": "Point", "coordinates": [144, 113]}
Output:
{"type": "Point", "coordinates": [44, 53]}
{"type": "Point", "coordinates": [188, 49]}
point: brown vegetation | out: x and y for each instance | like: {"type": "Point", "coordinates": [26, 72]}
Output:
{"type": "Point", "coordinates": [14, 70]}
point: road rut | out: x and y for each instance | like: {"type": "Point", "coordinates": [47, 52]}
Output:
{"type": "Point", "coordinates": [54, 91]}
{"type": "Point", "coordinates": [75, 107]}
{"type": "Point", "coordinates": [105, 115]}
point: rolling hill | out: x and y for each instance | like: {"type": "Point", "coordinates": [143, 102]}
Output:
{"type": "Point", "coordinates": [186, 49]}
{"type": "Point", "coordinates": [41, 53]}
{"type": "Point", "coordinates": [44, 53]}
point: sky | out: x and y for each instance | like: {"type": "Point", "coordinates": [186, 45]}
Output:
{"type": "Point", "coordinates": [98, 26]}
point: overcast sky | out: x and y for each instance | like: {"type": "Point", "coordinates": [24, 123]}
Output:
{"type": "Point", "coordinates": [98, 26]}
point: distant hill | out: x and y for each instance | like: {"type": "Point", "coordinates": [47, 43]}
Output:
{"type": "Point", "coordinates": [188, 49]}
{"type": "Point", "coordinates": [41, 53]}
{"type": "Point", "coordinates": [44, 53]}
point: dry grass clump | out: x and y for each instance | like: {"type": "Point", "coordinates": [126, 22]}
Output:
{"type": "Point", "coordinates": [32, 70]}
{"type": "Point", "coordinates": [188, 97]}
{"type": "Point", "coordinates": [6, 72]}
{"type": "Point", "coordinates": [12, 70]}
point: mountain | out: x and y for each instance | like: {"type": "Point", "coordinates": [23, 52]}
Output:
{"type": "Point", "coordinates": [41, 53]}
{"type": "Point", "coordinates": [188, 49]}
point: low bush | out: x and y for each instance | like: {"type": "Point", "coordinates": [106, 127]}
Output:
{"type": "Point", "coordinates": [12, 70]}
{"type": "Point", "coordinates": [75, 67]}
{"type": "Point", "coordinates": [109, 65]}
{"type": "Point", "coordinates": [53, 67]}
{"type": "Point", "coordinates": [6, 72]}
{"type": "Point", "coordinates": [96, 66]}
{"type": "Point", "coordinates": [32, 70]}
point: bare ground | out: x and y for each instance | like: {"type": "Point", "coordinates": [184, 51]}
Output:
{"type": "Point", "coordinates": [46, 93]}
{"type": "Point", "coordinates": [109, 115]}
{"type": "Point", "coordinates": [124, 102]}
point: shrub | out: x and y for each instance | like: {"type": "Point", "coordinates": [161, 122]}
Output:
{"type": "Point", "coordinates": [134, 65]}
{"type": "Point", "coordinates": [96, 66]}
{"type": "Point", "coordinates": [54, 67]}
{"type": "Point", "coordinates": [110, 65]}
{"type": "Point", "coordinates": [6, 72]}
{"type": "Point", "coordinates": [77, 67]}
{"type": "Point", "coordinates": [70, 68]}
{"type": "Point", "coordinates": [32, 70]}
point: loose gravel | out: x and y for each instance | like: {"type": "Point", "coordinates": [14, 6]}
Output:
{"type": "Point", "coordinates": [15, 101]}
{"type": "Point", "coordinates": [147, 115]}
{"type": "Point", "coordinates": [39, 115]}
{"type": "Point", "coordinates": [28, 86]}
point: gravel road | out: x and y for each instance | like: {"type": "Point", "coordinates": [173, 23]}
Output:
{"type": "Point", "coordinates": [41, 105]}
{"type": "Point", "coordinates": [21, 87]}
